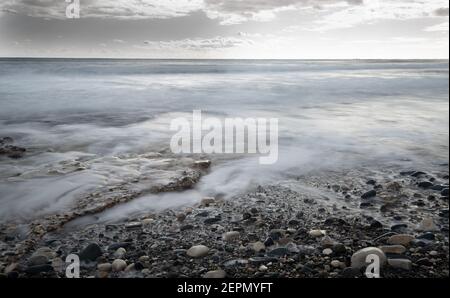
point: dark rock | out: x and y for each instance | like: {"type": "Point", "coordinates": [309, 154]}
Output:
{"type": "Point", "coordinates": [212, 220]}
{"type": "Point", "coordinates": [91, 252]}
{"type": "Point", "coordinates": [350, 273]}
{"type": "Point", "coordinates": [333, 221]}
{"type": "Point", "coordinates": [425, 184]}
{"type": "Point", "coordinates": [186, 227]}
{"type": "Point", "coordinates": [427, 236]}
{"type": "Point", "coordinates": [418, 174]}
{"type": "Point", "coordinates": [279, 252]}
{"type": "Point", "coordinates": [38, 269]}
{"type": "Point", "coordinates": [339, 249]}
{"type": "Point", "coordinates": [444, 192]}
{"type": "Point", "coordinates": [376, 225]}
{"type": "Point", "coordinates": [399, 227]}
{"type": "Point", "coordinates": [438, 187]}
{"type": "Point", "coordinates": [424, 262]}
{"type": "Point", "coordinates": [246, 216]}
{"type": "Point", "coordinates": [269, 242]}
{"type": "Point", "coordinates": [262, 260]}
{"type": "Point", "coordinates": [371, 182]}
{"type": "Point", "coordinates": [370, 194]}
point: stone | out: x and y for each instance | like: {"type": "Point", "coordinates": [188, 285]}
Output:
{"type": "Point", "coordinates": [133, 225]}
{"type": "Point", "coordinates": [427, 236]}
{"type": "Point", "coordinates": [393, 249]}
{"type": "Point", "coordinates": [370, 194]}
{"type": "Point", "coordinates": [37, 260]}
{"type": "Point", "coordinates": [258, 247]}
{"type": "Point", "coordinates": [218, 274]}
{"type": "Point", "coordinates": [120, 253]}
{"type": "Point", "coordinates": [263, 268]}
{"type": "Point", "coordinates": [327, 242]}
{"type": "Point", "coordinates": [118, 265]}
{"type": "Point", "coordinates": [434, 253]}
{"type": "Point", "coordinates": [279, 252]}
{"type": "Point", "coordinates": [104, 267]}
{"type": "Point", "coordinates": [394, 186]}
{"type": "Point", "coordinates": [11, 267]}
{"type": "Point", "coordinates": [198, 251]}
{"type": "Point", "coordinates": [401, 239]}
{"type": "Point", "coordinates": [130, 268]}
{"type": "Point", "coordinates": [202, 164]}
{"type": "Point", "coordinates": [359, 258]}
{"type": "Point", "coordinates": [39, 269]}
{"type": "Point", "coordinates": [445, 192]}
{"type": "Point", "coordinates": [46, 252]}
{"type": "Point", "coordinates": [148, 221]}
{"type": "Point", "coordinates": [91, 252]}
{"type": "Point", "coordinates": [400, 264]}
{"type": "Point", "coordinates": [317, 233]}
{"type": "Point", "coordinates": [181, 217]}
{"type": "Point", "coordinates": [327, 251]}
{"type": "Point", "coordinates": [231, 236]}
{"type": "Point", "coordinates": [208, 201]}
{"type": "Point", "coordinates": [58, 265]}
{"type": "Point", "coordinates": [425, 184]}
{"type": "Point", "coordinates": [427, 225]}
{"type": "Point", "coordinates": [337, 264]}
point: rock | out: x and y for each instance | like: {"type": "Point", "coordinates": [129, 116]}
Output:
{"type": "Point", "coordinates": [11, 267]}
{"type": "Point", "coordinates": [207, 201]}
{"type": "Point", "coordinates": [235, 262]}
{"type": "Point", "coordinates": [186, 228]}
{"type": "Point", "coordinates": [212, 220]}
{"type": "Point", "coordinates": [317, 233]}
{"type": "Point", "coordinates": [393, 249]}
{"type": "Point", "coordinates": [327, 242]}
{"type": "Point", "coordinates": [279, 252]}
{"type": "Point", "coordinates": [263, 268]}
{"type": "Point", "coordinates": [400, 264]}
{"type": "Point", "coordinates": [58, 265]}
{"type": "Point", "coordinates": [202, 164]}
{"type": "Point", "coordinates": [231, 236]}
{"type": "Point", "coordinates": [337, 264]}
{"type": "Point", "coordinates": [425, 184]}
{"type": "Point", "coordinates": [120, 253]}
{"type": "Point", "coordinates": [370, 194]}
{"type": "Point", "coordinates": [262, 260]}
{"type": "Point", "coordinates": [427, 236]}
{"type": "Point", "coordinates": [445, 192]}
{"type": "Point", "coordinates": [376, 225]}
{"type": "Point", "coordinates": [269, 242]}
{"type": "Point", "coordinates": [399, 227]}
{"type": "Point", "coordinates": [434, 253]}
{"type": "Point", "coordinates": [425, 262]}
{"type": "Point", "coordinates": [133, 225]}
{"type": "Point", "coordinates": [198, 251]}
{"type": "Point", "coordinates": [327, 251]}
{"type": "Point", "coordinates": [148, 221]}
{"type": "Point", "coordinates": [46, 252]}
{"type": "Point", "coordinates": [37, 260]}
{"type": "Point", "coordinates": [401, 239]}
{"type": "Point", "coordinates": [258, 247]}
{"type": "Point", "coordinates": [359, 258]}
{"type": "Point", "coordinates": [371, 182]}
{"type": "Point", "coordinates": [130, 268]}
{"type": "Point", "coordinates": [181, 217]}
{"type": "Point", "coordinates": [91, 252]}
{"type": "Point", "coordinates": [106, 267]}
{"type": "Point", "coordinates": [394, 186]}
{"type": "Point", "coordinates": [427, 225]}
{"type": "Point", "coordinates": [219, 274]}
{"type": "Point", "coordinates": [39, 269]}
{"type": "Point", "coordinates": [418, 174]}
{"type": "Point", "coordinates": [118, 265]}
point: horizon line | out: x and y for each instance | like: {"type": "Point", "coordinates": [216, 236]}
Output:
{"type": "Point", "coordinates": [249, 59]}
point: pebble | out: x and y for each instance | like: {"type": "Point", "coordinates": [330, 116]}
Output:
{"type": "Point", "coordinates": [425, 184]}
{"type": "Point", "coordinates": [279, 252]}
{"type": "Point", "coordinates": [337, 264]}
{"type": "Point", "coordinates": [258, 247]}
{"type": "Point", "coordinates": [133, 225]}
{"type": "Point", "coordinates": [434, 253]}
{"type": "Point", "coordinates": [427, 225]}
{"type": "Point", "coordinates": [317, 233]}
{"type": "Point", "coordinates": [198, 251]}
{"type": "Point", "coordinates": [37, 260]}
{"type": "Point", "coordinates": [327, 251]}
{"type": "Point", "coordinates": [370, 194]}
{"type": "Point", "coordinates": [118, 265]}
{"type": "Point", "coordinates": [400, 264]}
{"type": "Point", "coordinates": [91, 252]}
{"type": "Point", "coordinates": [401, 239]}
{"type": "Point", "coordinates": [215, 274]}
{"type": "Point", "coordinates": [358, 259]}
{"type": "Point", "coordinates": [104, 267]}
{"type": "Point", "coordinates": [393, 249]}
{"type": "Point", "coordinates": [208, 201]}
{"type": "Point", "coordinates": [120, 253]}
{"type": "Point", "coordinates": [181, 217]}
{"type": "Point", "coordinates": [148, 221]}
{"type": "Point", "coordinates": [263, 268]}
{"type": "Point", "coordinates": [231, 236]}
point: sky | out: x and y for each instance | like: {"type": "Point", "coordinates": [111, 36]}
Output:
{"type": "Point", "coordinates": [227, 29]}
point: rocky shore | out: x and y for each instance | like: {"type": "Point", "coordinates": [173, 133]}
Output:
{"type": "Point", "coordinates": [324, 229]}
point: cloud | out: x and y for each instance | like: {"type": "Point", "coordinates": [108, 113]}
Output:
{"type": "Point", "coordinates": [441, 12]}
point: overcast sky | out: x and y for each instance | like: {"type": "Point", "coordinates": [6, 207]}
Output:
{"type": "Point", "coordinates": [300, 29]}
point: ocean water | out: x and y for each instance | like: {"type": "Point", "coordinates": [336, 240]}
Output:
{"type": "Point", "coordinates": [333, 115]}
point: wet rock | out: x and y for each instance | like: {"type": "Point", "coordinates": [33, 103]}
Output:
{"type": "Point", "coordinates": [181, 217]}
{"type": "Point", "coordinates": [212, 220]}
{"type": "Point", "coordinates": [279, 252]}
{"type": "Point", "coordinates": [106, 267]}
{"type": "Point", "coordinates": [371, 182]}
{"type": "Point", "coordinates": [327, 251]}
{"type": "Point", "coordinates": [269, 242]}
{"type": "Point", "coordinates": [231, 236]}
{"type": "Point", "coordinates": [393, 249]}
{"type": "Point", "coordinates": [425, 184]}
{"type": "Point", "coordinates": [394, 186]}
{"type": "Point", "coordinates": [337, 264]}
{"type": "Point", "coordinates": [37, 260]}
{"type": "Point", "coordinates": [370, 194]}
{"type": "Point", "coordinates": [120, 253]}
{"type": "Point", "coordinates": [262, 260]}
{"type": "Point", "coordinates": [91, 252]}
{"type": "Point", "coordinates": [258, 247]}
{"type": "Point", "coordinates": [38, 269]}
{"type": "Point", "coordinates": [207, 201]}
{"type": "Point", "coordinates": [376, 225]}
{"type": "Point", "coordinates": [418, 174]}
{"type": "Point", "coordinates": [118, 265]}
{"type": "Point", "coordinates": [403, 264]}
{"type": "Point", "coordinates": [219, 274]}
{"type": "Point", "coordinates": [399, 227]}
{"type": "Point", "coordinates": [133, 225]}
{"type": "Point", "coordinates": [235, 263]}
{"type": "Point", "coordinates": [427, 225]}
{"type": "Point", "coordinates": [186, 228]}
{"type": "Point", "coordinates": [425, 262]}
{"type": "Point", "coordinates": [317, 233]}
{"type": "Point", "coordinates": [401, 239]}
{"type": "Point", "coordinates": [359, 258]}
{"type": "Point", "coordinates": [445, 192]}
{"type": "Point", "coordinates": [202, 164]}
{"type": "Point", "coordinates": [427, 236]}
{"type": "Point", "coordinates": [198, 251]}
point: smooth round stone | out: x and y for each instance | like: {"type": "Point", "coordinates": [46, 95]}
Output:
{"type": "Point", "coordinates": [400, 264]}
{"type": "Point", "coordinates": [359, 258]}
{"type": "Point", "coordinates": [130, 267]}
{"type": "Point", "coordinates": [258, 246]}
{"type": "Point", "coordinates": [317, 233]}
{"type": "Point", "coordinates": [263, 268]}
{"type": "Point", "coordinates": [434, 253]}
{"type": "Point", "coordinates": [427, 225]}
{"type": "Point", "coordinates": [336, 264]}
{"type": "Point", "coordinates": [104, 267]}
{"type": "Point", "coordinates": [401, 239]}
{"type": "Point", "coordinates": [37, 260]}
{"type": "Point", "coordinates": [393, 249]}
{"type": "Point", "coordinates": [118, 265]}
{"type": "Point", "coordinates": [215, 274]}
{"type": "Point", "coordinates": [327, 251]}
{"type": "Point", "coordinates": [91, 252]}
{"type": "Point", "coordinates": [45, 251]}
{"type": "Point", "coordinates": [148, 221]}
{"type": "Point", "coordinates": [198, 251]}
{"type": "Point", "coordinates": [231, 236]}
{"type": "Point", "coordinates": [120, 253]}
